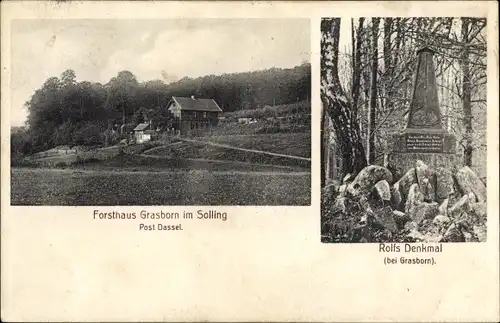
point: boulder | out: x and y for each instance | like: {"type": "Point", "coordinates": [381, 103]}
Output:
{"type": "Point", "coordinates": [368, 218]}
{"type": "Point", "coordinates": [400, 218]}
{"type": "Point", "coordinates": [441, 220]}
{"type": "Point", "coordinates": [434, 229]}
{"type": "Point", "coordinates": [472, 197]}
{"type": "Point", "coordinates": [347, 178]}
{"type": "Point", "coordinates": [411, 226]}
{"type": "Point", "coordinates": [362, 233]}
{"type": "Point", "coordinates": [443, 208]}
{"type": "Point", "coordinates": [479, 211]}
{"type": "Point", "coordinates": [340, 205]}
{"type": "Point", "coordinates": [445, 186]}
{"type": "Point", "coordinates": [367, 178]}
{"type": "Point", "coordinates": [426, 178]}
{"type": "Point", "coordinates": [330, 188]}
{"type": "Point", "coordinates": [414, 198]}
{"type": "Point", "coordinates": [462, 206]}
{"type": "Point", "coordinates": [468, 181]}
{"type": "Point", "coordinates": [480, 232]}
{"type": "Point", "coordinates": [453, 234]}
{"type": "Point", "coordinates": [467, 230]}
{"type": "Point", "coordinates": [364, 203]}
{"type": "Point", "coordinates": [424, 171]}
{"type": "Point", "coordinates": [396, 199]}
{"type": "Point", "coordinates": [424, 211]}
{"type": "Point", "coordinates": [469, 237]}
{"type": "Point", "coordinates": [383, 190]}
{"type": "Point", "coordinates": [415, 236]}
{"type": "Point", "coordinates": [428, 190]}
{"type": "Point", "coordinates": [342, 190]}
{"type": "Point", "coordinates": [384, 219]}
{"type": "Point", "coordinates": [405, 182]}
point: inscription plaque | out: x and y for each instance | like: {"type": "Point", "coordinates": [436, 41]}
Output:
{"type": "Point", "coordinates": [424, 143]}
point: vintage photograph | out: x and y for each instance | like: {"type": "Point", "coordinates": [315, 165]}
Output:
{"type": "Point", "coordinates": [161, 112]}
{"type": "Point", "coordinates": [403, 129]}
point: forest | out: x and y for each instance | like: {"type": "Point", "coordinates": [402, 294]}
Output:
{"type": "Point", "coordinates": [366, 86]}
{"type": "Point", "coordinates": [64, 111]}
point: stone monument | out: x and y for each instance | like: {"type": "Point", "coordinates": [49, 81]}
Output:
{"type": "Point", "coordinates": [424, 138]}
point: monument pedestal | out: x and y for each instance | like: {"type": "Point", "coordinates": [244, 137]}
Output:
{"type": "Point", "coordinates": [434, 147]}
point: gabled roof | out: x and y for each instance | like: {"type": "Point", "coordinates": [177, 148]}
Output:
{"type": "Point", "coordinates": [196, 104]}
{"type": "Point", "coordinates": [141, 126]}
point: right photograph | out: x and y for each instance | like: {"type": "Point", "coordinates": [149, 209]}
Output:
{"type": "Point", "coordinates": [403, 129]}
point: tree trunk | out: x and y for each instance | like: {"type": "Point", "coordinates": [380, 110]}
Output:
{"type": "Point", "coordinates": [366, 81]}
{"type": "Point", "coordinates": [466, 94]}
{"type": "Point", "coordinates": [324, 147]}
{"type": "Point", "coordinates": [335, 102]}
{"type": "Point", "coordinates": [356, 83]}
{"type": "Point", "coordinates": [373, 92]}
{"type": "Point", "coordinates": [388, 63]}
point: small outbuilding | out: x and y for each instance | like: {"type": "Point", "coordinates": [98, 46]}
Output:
{"type": "Point", "coordinates": [142, 133]}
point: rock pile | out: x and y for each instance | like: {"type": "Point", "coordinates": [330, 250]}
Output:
{"type": "Point", "coordinates": [424, 205]}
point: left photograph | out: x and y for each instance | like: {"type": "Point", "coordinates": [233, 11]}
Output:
{"type": "Point", "coordinates": [160, 112]}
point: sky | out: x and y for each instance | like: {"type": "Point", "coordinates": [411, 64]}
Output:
{"type": "Point", "coordinates": [151, 49]}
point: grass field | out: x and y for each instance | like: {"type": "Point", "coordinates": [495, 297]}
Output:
{"type": "Point", "coordinates": [296, 144]}
{"type": "Point", "coordinates": [162, 164]}
{"type": "Point", "coordinates": [73, 187]}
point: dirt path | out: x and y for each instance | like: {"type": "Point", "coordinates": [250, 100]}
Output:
{"type": "Point", "coordinates": [161, 147]}
{"type": "Point", "coordinates": [244, 149]}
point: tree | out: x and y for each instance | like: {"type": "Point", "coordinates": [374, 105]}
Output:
{"type": "Point", "coordinates": [356, 84]}
{"type": "Point", "coordinates": [68, 78]}
{"type": "Point", "coordinates": [121, 96]}
{"type": "Point", "coordinates": [323, 147]}
{"type": "Point", "coordinates": [466, 93]}
{"type": "Point", "coordinates": [44, 112]}
{"type": "Point", "coordinates": [335, 102]}
{"type": "Point", "coordinates": [373, 92]}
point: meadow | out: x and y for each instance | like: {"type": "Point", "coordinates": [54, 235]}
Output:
{"type": "Point", "coordinates": [295, 144]}
{"type": "Point", "coordinates": [195, 187]}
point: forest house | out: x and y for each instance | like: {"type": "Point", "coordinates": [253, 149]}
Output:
{"type": "Point", "coordinates": [192, 115]}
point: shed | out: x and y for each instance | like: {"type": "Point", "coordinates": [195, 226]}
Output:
{"type": "Point", "coordinates": [142, 133]}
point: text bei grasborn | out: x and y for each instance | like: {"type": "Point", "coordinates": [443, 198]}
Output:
{"type": "Point", "coordinates": [410, 248]}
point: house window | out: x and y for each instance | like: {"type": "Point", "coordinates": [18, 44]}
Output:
{"type": "Point", "coordinates": [195, 115]}
{"type": "Point", "coordinates": [204, 115]}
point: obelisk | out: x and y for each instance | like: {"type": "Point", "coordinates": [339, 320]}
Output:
{"type": "Point", "coordinates": [424, 137]}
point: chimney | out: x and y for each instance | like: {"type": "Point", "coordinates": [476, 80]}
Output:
{"type": "Point", "coordinates": [192, 97]}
